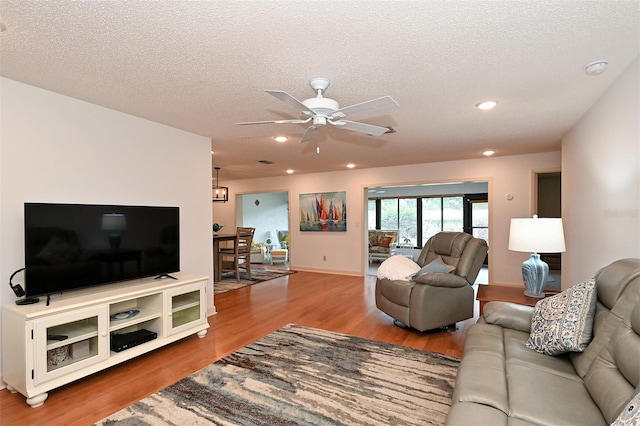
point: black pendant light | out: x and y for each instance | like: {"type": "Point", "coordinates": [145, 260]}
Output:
{"type": "Point", "coordinates": [219, 193]}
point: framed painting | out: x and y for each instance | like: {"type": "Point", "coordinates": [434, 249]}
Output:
{"type": "Point", "coordinates": [323, 212]}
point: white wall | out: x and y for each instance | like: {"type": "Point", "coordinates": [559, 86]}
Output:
{"type": "Point", "coordinates": [345, 252]}
{"type": "Point", "coordinates": [271, 214]}
{"type": "Point", "coordinates": [58, 149]}
{"type": "Point", "coordinates": [601, 181]}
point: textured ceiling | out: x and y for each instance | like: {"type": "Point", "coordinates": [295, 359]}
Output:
{"type": "Point", "coordinates": [203, 66]}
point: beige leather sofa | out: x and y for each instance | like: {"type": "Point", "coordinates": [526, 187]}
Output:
{"type": "Point", "coordinates": [502, 382]}
{"type": "Point", "coordinates": [436, 299]}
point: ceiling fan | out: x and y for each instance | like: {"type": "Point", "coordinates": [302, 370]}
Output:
{"type": "Point", "coordinates": [320, 111]}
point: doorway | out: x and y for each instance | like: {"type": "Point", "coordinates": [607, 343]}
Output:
{"type": "Point", "coordinates": [418, 212]}
{"type": "Point", "coordinates": [268, 213]}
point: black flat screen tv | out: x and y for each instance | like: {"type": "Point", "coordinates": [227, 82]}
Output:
{"type": "Point", "coordinates": [73, 246]}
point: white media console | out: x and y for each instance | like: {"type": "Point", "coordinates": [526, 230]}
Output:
{"type": "Point", "coordinates": [34, 362]}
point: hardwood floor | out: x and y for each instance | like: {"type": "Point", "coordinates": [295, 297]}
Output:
{"type": "Point", "coordinates": [337, 303]}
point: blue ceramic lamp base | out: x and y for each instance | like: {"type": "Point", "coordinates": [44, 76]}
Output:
{"type": "Point", "coordinates": [534, 275]}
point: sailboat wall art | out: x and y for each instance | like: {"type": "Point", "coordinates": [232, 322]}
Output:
{"type": "Point", "coordinates": [323, 212]}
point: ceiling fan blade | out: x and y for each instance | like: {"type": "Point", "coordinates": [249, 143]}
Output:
{"type": "Point", "coordinates": [287, 98]}
{"type": "Point", "coordinates": [276, 122]}
{"type": "Point", "coordinates": [366, 107]}
{"type": "Point", "coordinates": [354, 126]}
{"type": "Point", "coordinates": [310, 134]}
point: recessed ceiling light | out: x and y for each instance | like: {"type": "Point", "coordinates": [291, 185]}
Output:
{"type": "Point", "coordinates": [212, 152]}
{"type": "Point", "coordinates": [595, 68]}
{"type": "Point", "coordinates": [351, 165]}
{"type": "Point", "coordinates": [281, 138]}
{"type": "Point", "coordinates": [488, 152]}
{"type": "Point", "coordinates": [290, 171]}
{"type": "Point", "coordinates": [487, 105]}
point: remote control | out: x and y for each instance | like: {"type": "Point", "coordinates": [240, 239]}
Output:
{"type": "Point", "coordinates": [56, 337]}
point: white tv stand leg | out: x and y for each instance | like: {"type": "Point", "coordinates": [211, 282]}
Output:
{"type": "Point", "coordinates": [37, 400]}
{"type": "Point", "coordinates": [202, 333]}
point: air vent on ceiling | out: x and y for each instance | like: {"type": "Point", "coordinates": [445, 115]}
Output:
{"type": "Point", "coordinates": [265, 161]}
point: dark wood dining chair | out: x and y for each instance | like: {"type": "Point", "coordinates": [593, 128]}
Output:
{"type": "Point", "coordinates": [232, 259]}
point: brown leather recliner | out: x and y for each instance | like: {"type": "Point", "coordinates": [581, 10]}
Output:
{"type": "Point", "coordinates": [436, 299]}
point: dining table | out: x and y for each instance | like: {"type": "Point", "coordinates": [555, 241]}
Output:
{"type": "Point", "coordinates": [217, 239]}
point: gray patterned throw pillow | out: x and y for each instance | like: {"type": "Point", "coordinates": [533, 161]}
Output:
{"type": "Point", "coordinates": [630, 416]}
{"type": "Point", "coordinates": [564, 322]}
{"type": "Point", "coordinates": [436, 265]}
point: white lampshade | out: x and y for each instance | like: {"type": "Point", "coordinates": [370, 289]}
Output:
{"type": "Point", "coordinates": [537, 235]}
{"type": "Point", "coordinates": [114, 222]}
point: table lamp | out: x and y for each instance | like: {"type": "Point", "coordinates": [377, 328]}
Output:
{"type": "Point", "coordinates": [536, 235]}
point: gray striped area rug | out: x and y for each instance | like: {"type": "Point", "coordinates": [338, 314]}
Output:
{"type": "Point", "coordinates": [304, 376]}
{"type": "Point", "coordinates": [258, 275]}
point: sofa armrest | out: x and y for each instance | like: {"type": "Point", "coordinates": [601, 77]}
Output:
{"type": "Point", "coordinates": [508, 315]}
{"type": "Point", "coordinates": [441, 279]}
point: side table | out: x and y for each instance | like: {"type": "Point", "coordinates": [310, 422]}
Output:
{"type": "Point", "coordinates": [405, 249]}
{"type": "Point", "coordinates": [268, 253]}
{"type": "Point", "coordinates": [503, 293]}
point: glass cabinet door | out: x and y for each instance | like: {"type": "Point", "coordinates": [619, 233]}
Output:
{"type": "Point", "coordinates": [68, 342]}
{"type": "Point", "coordinates": [186, 307]}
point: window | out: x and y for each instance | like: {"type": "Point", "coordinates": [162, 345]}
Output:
{"type": "Point", "coordinates": [476, 215]}
{"type": "Point", "coordinates": [440, 214]}
{"type": "Point", "coordinates": [431, 218]}
{"type": "Point", "coordinates": [480, 220]}
{"type": "Point", "coordinates": [389, 214]}
{"type": "Point", "coordinates": [395, 213]}
{"type": "Point", "coordinates": [452, 214]}
{"type": "Point", "coordinates": [419, 218]}
{"type": "Point", "coordinates": [372, 215]}
{"type": "Point", "coordinates": [407, 219]}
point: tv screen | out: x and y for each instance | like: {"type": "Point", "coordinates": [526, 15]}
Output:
{"type": "Point", "coordinates": [72, 246]}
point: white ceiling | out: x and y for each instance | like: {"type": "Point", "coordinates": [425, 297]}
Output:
{"type": "Point", "coordinates": [202, 66]}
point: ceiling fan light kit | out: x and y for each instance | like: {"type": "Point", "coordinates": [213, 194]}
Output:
{"type": "Point", "coordinates": [319, 120]}
{"type": "Point", "coordinates": [321, 105]}
{"type": "Point", "coordinates": [321, 110]}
